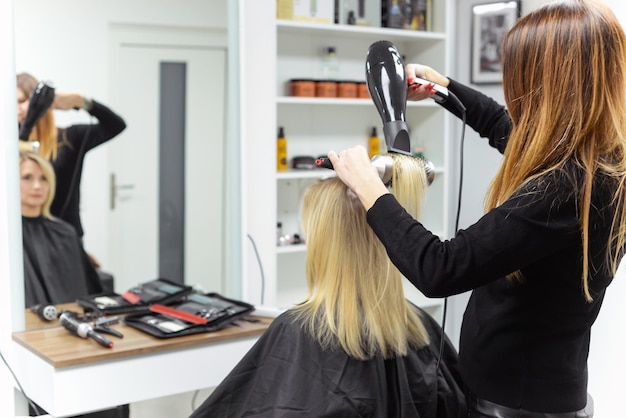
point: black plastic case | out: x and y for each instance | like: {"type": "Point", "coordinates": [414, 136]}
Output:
{"type": "Point", "coordinates": [139, 298]}
{"type": "Point", "coordinates": [213, 309]}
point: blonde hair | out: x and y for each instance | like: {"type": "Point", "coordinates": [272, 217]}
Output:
{"type": "Point", "coordinates": [48, 172]}
{"type": "Point", "coordinates": [564, 81]}
{"type": "Point", "coordinates": [45, 131]}
{"type": "Point", "coordinates": [355, 297]}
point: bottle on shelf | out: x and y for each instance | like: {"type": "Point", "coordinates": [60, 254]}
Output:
{"type": "Point", "coordinates": [330, 64]}
{"type": "Point", "coordinates": [281, 151]}
{"type": "Point", "coordinates": [351, 18]}
{"type": "Point", "coordinates": [373, 143]}
{"type": "Point", "coordinates": [279, 232]}
{"type": "Point", "coordinates": [396, 18]}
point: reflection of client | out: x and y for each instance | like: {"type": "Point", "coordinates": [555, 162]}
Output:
{"type": "Point", "coordinates": [355, 347]}
{"type": "Point", "coordinates": [56, 267]}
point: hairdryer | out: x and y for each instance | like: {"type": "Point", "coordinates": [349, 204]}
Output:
{"type": "Point", "coordinates": [386, 82]}
{"type": "Point", "coordinates": [40, 101]}
{"type": "Point", "coordinates": [45, 312]}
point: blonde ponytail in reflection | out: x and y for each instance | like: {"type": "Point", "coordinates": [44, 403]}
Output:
{"type": "Point", "coordinates": [355, 298]}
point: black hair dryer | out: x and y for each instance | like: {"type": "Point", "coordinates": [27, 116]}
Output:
{"type": "Point", "coordinates": [386, 82]}
{"type": "Point", "coordinates": [40, 101]}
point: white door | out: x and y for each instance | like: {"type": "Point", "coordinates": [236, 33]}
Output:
{"type": "Point", "coordinates": [136, 160]}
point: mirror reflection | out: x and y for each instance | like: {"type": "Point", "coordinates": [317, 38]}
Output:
{"type": "Point", "coordinates": [139, 109]}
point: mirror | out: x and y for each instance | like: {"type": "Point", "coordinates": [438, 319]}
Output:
{"type": "Point", "coordinates": [155, 199]}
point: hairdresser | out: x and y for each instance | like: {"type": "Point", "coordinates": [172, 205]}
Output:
{"type": "Point", "coordinates": [66, 147]}
{"type": "Point", "coordinates": [540, 259]}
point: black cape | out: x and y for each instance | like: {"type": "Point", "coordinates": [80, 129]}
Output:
{"type": "Point", "coordinates": [287, 374]}
{"type": "Point", "coordinates": [56, 267]}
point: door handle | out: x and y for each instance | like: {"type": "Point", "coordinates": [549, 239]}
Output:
{"type": "Point", "coordinates": [113, 188]}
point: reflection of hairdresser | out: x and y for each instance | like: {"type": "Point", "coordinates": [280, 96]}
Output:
{"type": "Point", "coordinates": [355, 347]}
{"type": "Point", "coordinates": [540, 259]}
{"type": "Point", "coordinates": [65, 148]}
{"type": "Point", "coordinates": [56, 268]}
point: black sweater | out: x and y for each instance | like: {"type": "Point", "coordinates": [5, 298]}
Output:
{"type": "Point", "coordinates": [74, 142]}
{"type": "Point", "coordinates": [523, 344]}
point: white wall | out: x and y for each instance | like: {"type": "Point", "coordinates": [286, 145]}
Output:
{"type": "Point", "coordinates": [606, 359]}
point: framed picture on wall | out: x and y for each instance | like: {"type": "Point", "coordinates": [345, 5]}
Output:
{"type": "Point", "coordinates": [490, 21]}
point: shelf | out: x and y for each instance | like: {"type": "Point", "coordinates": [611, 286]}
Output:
{"type": "Point", "coordinates": [317, 173]}
{"type": "Point", "coordinates": [315, 125]}
{"type": "Point", "coordinates": [291, 249]}
{"type": "Point", "coordinates": [300, 248]}
{"type": "Point", "coordinates": [363, 32]}
{"type": "Point", "coordinates": [322, 101]}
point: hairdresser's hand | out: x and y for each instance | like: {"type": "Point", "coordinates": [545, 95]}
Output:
{"type": "Point", "coordinates": [67, 101]}
{"type": "Point", "coordinates": [355, 169]}
{"type": "Point", "coordinates": [416, 92]}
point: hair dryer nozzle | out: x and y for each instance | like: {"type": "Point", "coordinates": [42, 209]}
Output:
{"type": "Point", "coordinates": [40, 101]}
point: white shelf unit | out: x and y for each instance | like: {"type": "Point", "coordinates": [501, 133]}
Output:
{"type": "Point", "coordinates": [313, 126]}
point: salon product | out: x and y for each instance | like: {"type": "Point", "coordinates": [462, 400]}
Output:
{"type": "Point", "coordinates": [302, 87]}
{"type": "Point", "coordinates": [395, 17]}
{"type": "Point", "coordinates": [347, 89]}
{"type": "Point", "coordinates": [326, 88]}
{"type": "Point", "coordinates": [373, 144]}
{"type": "Point", "coordinates": [361, 90]}
{"type": "Point", "coordinates": [279, 232]}
{"type": "Point", "coordinates": [281, 151]}
{"type": "Point", "coordinates": [330, 64]}
{"type": "Point", "coordinates": [303, 162]}
{"type": "Point", "coordinates": [351, 18]}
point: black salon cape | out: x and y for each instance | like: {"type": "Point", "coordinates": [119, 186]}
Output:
{"type": "Point", "coordinates": [287, 374]}
{"type": "Point", "coordinates": [56, 267]}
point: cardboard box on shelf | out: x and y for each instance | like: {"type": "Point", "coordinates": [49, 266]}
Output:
{"type": "Point", "coordinates": [314, 11]}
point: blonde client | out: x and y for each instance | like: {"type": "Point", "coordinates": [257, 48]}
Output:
{"type": "Point", "coordinates": [56, 267]}
{"type": "Point", "coordinates": [355, 347]}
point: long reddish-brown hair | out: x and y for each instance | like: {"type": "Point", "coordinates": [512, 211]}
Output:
{"type": "Point", "coordinates": [564, 81]}
{"type": "Point", "coordinates": [45, 131]}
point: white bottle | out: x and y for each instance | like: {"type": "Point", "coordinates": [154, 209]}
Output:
{"type": "Point", "coordinates": [330, 64]}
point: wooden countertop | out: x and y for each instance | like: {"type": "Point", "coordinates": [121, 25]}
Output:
{"type": "Point", "coordinates": [60, 348]}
